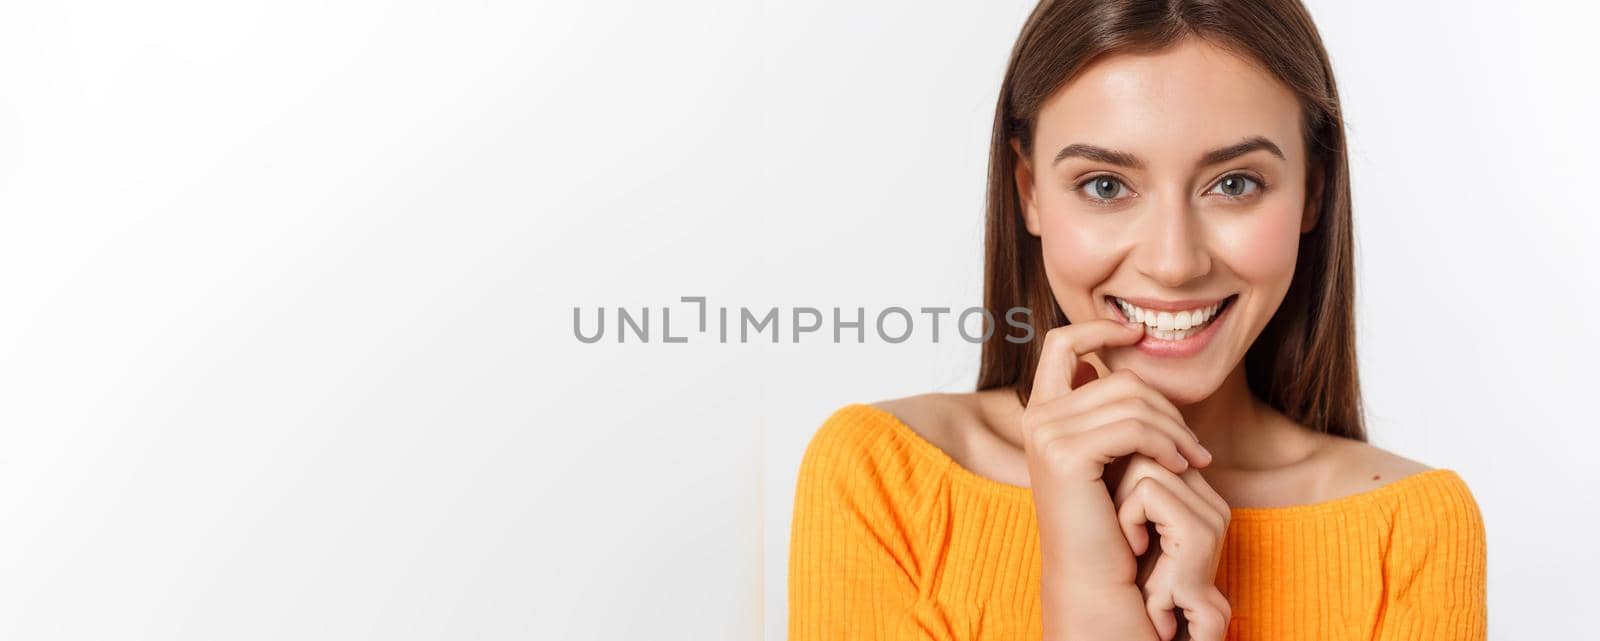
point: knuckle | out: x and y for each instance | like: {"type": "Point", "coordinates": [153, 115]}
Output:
{"type": "Point", "coordinates": [1224, 608]}
{"type": "Point", "coordinates": [1129, 404]}
{"type": "Point", "coordinates": [1037, 421]}
{"type": "Point", "coordinates": [1060, 337]}
{"type": "Point", "coordinates": [1131, 377]}
{"type": "Point", "coordinates": [1047, 434]}
{"type": "Point", "coordinates": [1052, 339]}
{"type": "Point", "coordinates": [1031, 426]}
{"type": "Point", "coordinates": [1146, 401]}
{"type": "Point", "coordinates": [1218, 525]}
{"type": "Point", "coordinates": [1141, 465]}
{"type": "Point", "coordinates": [1144, 487]}
{"type": "Point", "coordinates": [1058, 450]}
{"type": "Point", "coordinates": [1123, 426]}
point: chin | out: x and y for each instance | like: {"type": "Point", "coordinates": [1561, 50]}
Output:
{"type": "Point", "coordinates": [1182, 393]}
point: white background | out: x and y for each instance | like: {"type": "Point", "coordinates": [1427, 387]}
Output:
{"type": "Point", "coordinates": [287, 345]}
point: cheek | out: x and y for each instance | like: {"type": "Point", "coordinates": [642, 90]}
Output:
{"type": "Point", "coordinates": [1262, 248]}
{"type": "Point", "coordinates": [1078, 255]}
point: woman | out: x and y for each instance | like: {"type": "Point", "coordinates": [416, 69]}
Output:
{"type": "Point", "coordinates": [1176, 449]}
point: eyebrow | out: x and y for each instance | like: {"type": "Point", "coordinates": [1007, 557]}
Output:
{"type": "Point", "coordinates": [1125, 159]}
{"type": "Point", "coordinates": [1234, 151]}
{"type": "Point", "coordinates": [1098, 154]}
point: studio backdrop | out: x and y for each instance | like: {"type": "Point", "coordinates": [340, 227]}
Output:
{"type": "Point", "coordinates": [511, 320]}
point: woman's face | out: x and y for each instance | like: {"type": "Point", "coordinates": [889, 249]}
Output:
{"type": "Point", "coordinates": [1175, 182]}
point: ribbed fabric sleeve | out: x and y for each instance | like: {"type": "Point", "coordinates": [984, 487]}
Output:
{"type": "Point", "coordinates": [893, 540]}
{"type": "Point", "coordinates": [858, 563]}
{"type": "Point", "coordinates": [1437, 570]}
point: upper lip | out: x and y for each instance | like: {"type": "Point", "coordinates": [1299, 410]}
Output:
{"type": "Point", "coordinates": [1171, 305]}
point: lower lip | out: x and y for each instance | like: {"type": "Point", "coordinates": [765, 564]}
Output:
{"type": "Point", "coordinates": [1185, 347]}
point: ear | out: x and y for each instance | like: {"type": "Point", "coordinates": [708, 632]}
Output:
{"type": "Point", "coordinates": [1024, 177]}
{"type": "Point", "coordinates": [1313, 208]}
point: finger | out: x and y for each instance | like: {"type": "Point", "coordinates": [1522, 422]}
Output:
{"type": "Point", "coordinates": [1113, 387]}
{"type": "Point", "coordinates": [1159, 605]}
{"type": "Point", "coordinates": [1131, 519]}
{"type": "Point", "coordinates": [1119, 384]}
{"type": "Point", "coordinates": [1158, 602]}
{"type": "Point", "coordinates": [1131, 407]}
{"type": "Point", "coordinates": [1138, 537]}
{"type": "Point", "coordinates": [1205, 609]}
{"type": "Point", "coordinates": [1121, 438]}
{"type": "Point", "coordinates": [1180, 485]}
{"type": "Point", "coordinates": [1203, 488]}
{"type": "Point", "coordinates": [1184, 535]}
{"type": "Point", "coordinates": [1065, 346]}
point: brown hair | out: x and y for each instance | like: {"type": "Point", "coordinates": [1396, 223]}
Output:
{"type": "Point", "coordinates": [1304, 362]}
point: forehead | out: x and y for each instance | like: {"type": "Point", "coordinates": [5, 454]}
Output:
{"type": "Point", "coordinates": [1171, 105]}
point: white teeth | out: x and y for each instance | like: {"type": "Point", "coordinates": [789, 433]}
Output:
{"type": "Point", "coordinates": [1167, 325]}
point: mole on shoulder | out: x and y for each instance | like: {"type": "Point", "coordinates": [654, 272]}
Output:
{"type": "Point", "coordinates": [1374, 477]}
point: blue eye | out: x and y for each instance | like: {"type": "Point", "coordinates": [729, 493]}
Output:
{"type": "Point", "coordinates": [1236, 186]}
{"type": "Point", "coordinates": [1103, 188]}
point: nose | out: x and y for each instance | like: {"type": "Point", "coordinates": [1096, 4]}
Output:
{"type": "Point", "coordinates": [1171, 246]}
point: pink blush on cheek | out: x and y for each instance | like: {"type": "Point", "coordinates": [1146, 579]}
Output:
{"type": "Point", "coordinates": [1079, 257]}
{"type": "Point", "coordinates": [1262, 247]}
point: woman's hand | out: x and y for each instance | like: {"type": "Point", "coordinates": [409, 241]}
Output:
{"type": "Point", "coordinates": [1069, 435]}
{"type": "Point", "coordinates": [1190, 520]}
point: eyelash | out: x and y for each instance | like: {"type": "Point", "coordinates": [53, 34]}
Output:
{"type": "Point", "coordinates": [1261, 187]}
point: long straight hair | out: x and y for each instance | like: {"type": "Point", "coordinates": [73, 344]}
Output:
{"type": "Point", "coordinates": [1304, 362]}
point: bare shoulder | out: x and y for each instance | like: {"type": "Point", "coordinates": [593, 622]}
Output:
{"type": "Point", "coordinates": [934, 416]}
{"type": "Point", "coordinates": [1356, 466]}
{"type": "Point", "coordinates": [966, 426]}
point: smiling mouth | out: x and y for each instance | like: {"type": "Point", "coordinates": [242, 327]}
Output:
{"type": "Point", "coordinates": [1169, 325]}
